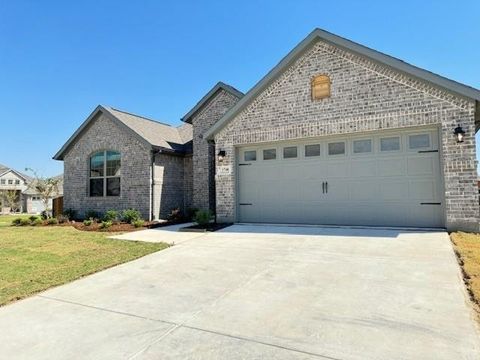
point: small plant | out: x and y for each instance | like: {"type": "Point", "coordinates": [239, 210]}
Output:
{"type": "Point", "coordinates": [131, 215]}
{"type": "Point", "coordinates": [70, 214]}
{"type": "Point", "coordinates": [88, 222]}
{"type": "Point", "coordinates": [52, 221]}
{"type": "Point", "coordinates": [175, 215]}
{"type": "Point", "coordinates": [92, 214]}
{"type": "Point", "coordinates": [24, 222]}
{"type": "Point", "coordinates": [191, 213]}
{"type": "Point", "coordinates": [44, 215]}
{"type": "Point", "coordinates": [138, 223]}
{"type": "Point", "coordinates": [33, 218]}
{"type": "Point", "coordinates": [62, 219]}
{"type": "Point", "coordinates": [111, 215]}
{"type": "Point", "coordinates": [202, 217]}
{"type": "Point", "coordinates": [36, 222]}
{"type": "Point", "coordinates": [17, 222]}
{"type": "Point", "coordinates": [105, 224]}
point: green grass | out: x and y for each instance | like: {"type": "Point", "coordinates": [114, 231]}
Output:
{"type": "Point", "coordinates": [33, 259]}
{"type": "Point", "coordinates": [6, 220]}
{"type": "Point", "coordinates": [467, 246]}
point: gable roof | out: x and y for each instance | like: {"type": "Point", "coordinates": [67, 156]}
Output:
{"type": "Point", "coordinates": [219, 86]}
{"type": "Point", "coordinates": [149, 132]}
{"type": "Point", "coordinates": [319, 34]}
{"type": "Point", "coordinates": [6, 170]}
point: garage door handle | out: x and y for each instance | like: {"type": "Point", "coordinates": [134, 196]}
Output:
{"type": "Point", "coordinates": [245, 204]}
{"type": "Point", "coordinates": [326, 187]}
{"type": "Point", "coordinates": [323, 187]}
{"type": "Point", "coordinates": [430, 203]}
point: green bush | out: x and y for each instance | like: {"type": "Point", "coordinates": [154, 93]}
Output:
{"type": "Point", "coordinates": [52, 221]}
{"type": "Point", "coordinates": [92, 214]}
{"type": "Point", "coordinates": [202, 217]}
{"type": "Point", "coordinates": [191, 213]}
{"type": "Point", "coordinates": [33, 218]}
{"type": "Point", "coordinates": [36, 221]}
{"type": "Point", "coordinates": [70, 214]}
{"type": "Point", "coordinates": [138, 223]}
{"type": "Point", "coordinates": [24, 222]}
{"type": "Point", "coordinates": [110, 215]}
{"type": "Point", "coordinates": [88, 222]}
{"type": "Point", "coordinates": [105, 224]}
{"type": "Point", "coordinates": [17, 222]}
{"type": "Point", "coordinates": [131, 215]}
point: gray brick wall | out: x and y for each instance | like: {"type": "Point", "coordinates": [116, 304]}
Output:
{"type": "Point", "coordinates": [188, 182]}
{"type": "Point", "coordinates": [365, 96]}
{"type": "Point", "coordinates": [204, 153]}
{"type": "Point", "coordinates": [135, 179]}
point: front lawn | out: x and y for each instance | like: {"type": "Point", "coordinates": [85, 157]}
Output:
{"type": "Point", "coordinates": [6, 220]}
{"type": "Point", "coordinates": [33, 259]}
{"type": "Point", "coordinates": [467, 246]}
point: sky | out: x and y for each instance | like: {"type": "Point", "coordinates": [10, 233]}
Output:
{"type": "Point", "coordinates": [60, 59]}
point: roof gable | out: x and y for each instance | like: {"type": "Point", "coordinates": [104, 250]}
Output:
{"type": "Point", "coordinates": [17, 174]}
{"type": "Point", "coordinates": [219, 86]}
{"type": "Point", "coordinates": [318, 34]}
{"type": "Point", "coordinates": [147, 131]}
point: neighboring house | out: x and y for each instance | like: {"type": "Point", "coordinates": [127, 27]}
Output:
{"type": "Point", "coordinates": [336, 133]}
{"type": "Point", "coordinates": [29, 200]}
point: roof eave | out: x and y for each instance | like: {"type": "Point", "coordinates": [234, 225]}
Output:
{"type": "Point", "coordinates": [219, 86]}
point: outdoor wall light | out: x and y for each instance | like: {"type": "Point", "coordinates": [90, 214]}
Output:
{"type": "Point", "coordinates": [459, 134]}
{"type": "Point", "coordinates": [221, 155]}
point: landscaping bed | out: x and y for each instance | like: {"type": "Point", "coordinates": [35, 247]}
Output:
{"type": "Point", "coordinates": [467, 248]}
{"type": "Point", "coordinates": [205, 228]}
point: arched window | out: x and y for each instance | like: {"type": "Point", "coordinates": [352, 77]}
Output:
{"type": "Point", "coordinates": [320, 87]}
{"type": "Point", "coordinates": [105, 173]}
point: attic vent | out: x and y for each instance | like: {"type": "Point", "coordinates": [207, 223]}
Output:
{"type": "Point", "coordinates": [320, 87]}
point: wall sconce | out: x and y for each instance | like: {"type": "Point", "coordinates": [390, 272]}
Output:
{"type": "Point", "coordinates": [221, 155]}
{"type": "Point", "coordinates": [459, 134]}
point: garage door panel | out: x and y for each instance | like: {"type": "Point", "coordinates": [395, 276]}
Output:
{"type": "Point", "coordinates": [391, 166]}
{"type": "Point", "coordinates": [420, 165]}
{"type": "Point", "coordinates": [383, 188]}
{"type": "Point", "coordinates": [363, 168]}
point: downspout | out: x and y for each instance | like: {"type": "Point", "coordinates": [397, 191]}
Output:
{"type": "Point", "coordinates": [152, 181]}
{"type": "Point", "coordinates": [212, 142]}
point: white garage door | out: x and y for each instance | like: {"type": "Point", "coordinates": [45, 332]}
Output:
{"type": "Point", "coordinates": [382, 179]}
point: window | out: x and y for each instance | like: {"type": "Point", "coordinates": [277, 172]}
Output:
{"type": "Point", "coordinates": [17, 182]}
{"type": "Point", "coordinates": [2, 182]}
{"type": "Point", "coordinates": [336, 148]}
{"type": "Point", "coordinates": [390, 144]}
{"type": "Point", "coordinates": [312, 150]}
{"type": "Point", "coordinates": [290, 152]}
{"type": "Point", "coordinates": [320, 87]}
{"type": "Point", "coordinates": [105, 174]}
{"type": "Point", "coordinates": [269, 154]}
{"type": "Point", "coordinates": [418, 141]}
{"type": "Point", "coordinates": [250, 155]}
{"type": "Point", "coordinates": [10, 182]}
{"type": "Point", "coordinates": [362, 146]}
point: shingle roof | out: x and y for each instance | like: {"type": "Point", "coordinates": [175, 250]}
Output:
{"type": "Point", "coordinates": [151, 132]}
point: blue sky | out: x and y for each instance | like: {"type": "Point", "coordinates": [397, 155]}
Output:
{"type": "Point", "coordinates": [59, 59]}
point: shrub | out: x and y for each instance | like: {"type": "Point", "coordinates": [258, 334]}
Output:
{"type": "Point", "coordinates": [36, 221]}
{"type": "Point", "coordinates": [191, 213]}
{"type": "Point", "coordinates": [52, 221]}
{"type": "Point", "coordinates": [92, 214]}
{"type": "Point", "coordinates": [138, 223]}
{"type": "Point", "coordinates": [202, 217]}
{"type": "Point", "coordinates": [88, 222]}
{"type": "Point", "coordinates": [44, 215]}
{"type": "Point", "coordinates": [24, 222]}
{"type": "Point", "coordinates": [17, 222]}
{"type": "Point", "coordinates": [131, 215]}
{"type": "Point", "coordinates": [175, 215]}
{"type": "Point", "coordinates": [70, 214]}
{"type": "Point", "coordinates": [105, 224]}
{"type": "Point", "coordinates": [110, 215]}
{"type": "Point", "coordinates": [62, 219]}
{"type": "Point", "coordinates": [33, 218]}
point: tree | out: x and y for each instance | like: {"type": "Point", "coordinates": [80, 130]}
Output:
{"type": "Point", "coordinates": [46, 187]}
{"type": "Point", "coordinates": [11, 199]}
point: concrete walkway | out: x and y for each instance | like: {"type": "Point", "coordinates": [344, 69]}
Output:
{"type": "Point", "coordinates": [167, 234]}
{"type": "Point", "coordinates": [258, 292]}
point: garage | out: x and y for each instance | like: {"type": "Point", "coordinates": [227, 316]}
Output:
{"type": "Point", "coordinates": [386, 178]}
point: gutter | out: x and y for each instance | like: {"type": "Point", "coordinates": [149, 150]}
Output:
{"type": "Point", "coordinates": [152, 181]}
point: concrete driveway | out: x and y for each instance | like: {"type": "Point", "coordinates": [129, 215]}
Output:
{"type": "Point", "coordinates": [258, 292]}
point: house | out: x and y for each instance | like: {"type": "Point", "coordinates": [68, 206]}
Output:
{"type": "Point", "coordinates": [28, 199]}
{"type": "Point", "coordinates": [336, 133]}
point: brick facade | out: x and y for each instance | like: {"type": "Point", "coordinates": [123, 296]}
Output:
{"type": "Point", "coordinates": [135, 180]}
{"type": "Point", "coordinates": [365, 96]}
{"type": "Point", "coordinates": [203, 152]}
